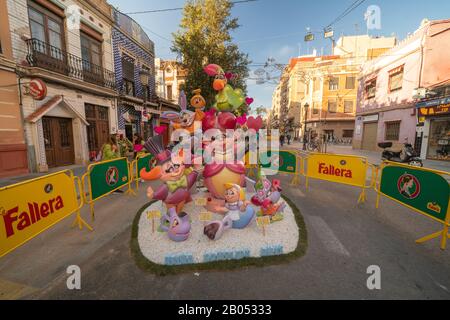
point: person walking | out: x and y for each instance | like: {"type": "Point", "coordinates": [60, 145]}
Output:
{"type": "Point", "coordinates": [282, 139]}
{"type": "Point", "coordinates": [289, 139]}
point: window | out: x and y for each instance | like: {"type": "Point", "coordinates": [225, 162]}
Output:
{"type": "Point", "coordinates": [347, 134]}
{"type": "Point", "coordinates": [334, 83]}
{"type": "Point", "coordinates": [145, 87]}
{"type": "Point", "coordinates": [396, 79]}
{"type": "Point", "coordinates": [128, 75]}
{"type": "Point", "coordinates": [348, 106]}
{"type": "Point", "coordinates": [316, 84]}
{"type": "Point", "coordinates": [91, 51]}
{"type": "Point", "coordinates": [169, 92]}
{"type": "Point", "coordinates": [350, 82]}
{"type": "Point", "coordinates": [392, 131]}
{"type": "Point", "coordinates": [315, 108]}
{"type": "Point", "coordinates": [332, 106]}
{"type": "Point", "coordinates": [371, 88]}
{"type": "Point", "coordinates": [48, 29]}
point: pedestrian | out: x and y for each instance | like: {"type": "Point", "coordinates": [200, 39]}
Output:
{"type": "Point", "coordinates": [125, 145]}
{"type": "Point", "coordinates": [289, 139]}
{"type": "Point", "coordinates": [110, 149]}
{"type": "Point", "coordinates": [282, 139]}
{"type": "Point", "coordinates": [138, 146]}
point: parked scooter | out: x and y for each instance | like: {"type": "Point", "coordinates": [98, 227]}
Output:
{"type": "Point", "coordinates": [406, 155]}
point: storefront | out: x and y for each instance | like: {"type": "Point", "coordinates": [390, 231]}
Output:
{"type": "Point", "coordinates": [434, 116]}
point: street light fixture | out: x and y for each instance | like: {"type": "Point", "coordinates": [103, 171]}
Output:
{"type": "Point", "coordinates": [306, 106]}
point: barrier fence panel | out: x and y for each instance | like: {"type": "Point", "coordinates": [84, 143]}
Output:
{"type": "Point", "coordinates": [106, 177]}
{"type": "Point", "coordinates": [343, 169]}
{"type": "Point", "coordinates": [29, 208]}
{"type": "Point", "coordinates": [423, 190]}
{"type": "Point", "coordinates": [285, 161]}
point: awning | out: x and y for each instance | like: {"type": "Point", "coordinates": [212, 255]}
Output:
{"type": "Point", "coordinates": [50, 104]}
{"type": "Point", "coordinates": [433, 103]}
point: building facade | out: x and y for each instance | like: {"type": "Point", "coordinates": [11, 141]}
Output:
{"type": "Point", "coordinates": [134, 67]}
{"type": "Point", "coordinates": [13, 149]}
{"type": "Point", "coordinates": [174, 76]}
{"type": "Point", "coordinates": [332, 88]}
{"type": "Point", "coordinates": [390, 86]}
{"type": "Point", "coordinates": [67, 45]}
{"type": "Point", "coordinates": [433, 105]}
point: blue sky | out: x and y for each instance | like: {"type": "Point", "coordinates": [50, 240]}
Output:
{"type": "Point", "coordinates": [276, 28]}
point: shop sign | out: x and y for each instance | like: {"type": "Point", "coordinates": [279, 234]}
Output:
{"type": "Point", "coordinates": [434, 111]}
{"type": "Point", "coordinates": [371, 118]}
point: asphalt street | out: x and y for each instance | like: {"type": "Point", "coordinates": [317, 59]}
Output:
{"type": "Point", "coordinates": [344, 240]}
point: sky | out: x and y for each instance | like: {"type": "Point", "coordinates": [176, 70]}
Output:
{"type": "Point", "coordinates": [276, 28]}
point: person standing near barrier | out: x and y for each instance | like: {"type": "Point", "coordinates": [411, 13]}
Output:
{"type": "Point", "coordinates": [124, 144]}
{"type": "Point", "coordinates": [289, 138]}
{"type": "Point", "coordinates": [282, 139]}
{"type": "Point", "coordinates": [138, 146]}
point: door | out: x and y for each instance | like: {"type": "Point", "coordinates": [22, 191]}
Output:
{"type": "Point", "coordinates": [370, 132]}
{"type": "Point", "coordinates": [98, 129]}
{"type": "Point", "coordinates": [58, 138]}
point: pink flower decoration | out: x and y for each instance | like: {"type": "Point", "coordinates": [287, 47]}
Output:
{"type": "Point", "coordinates": [249, 101]}
{"type": "Point", "coordinates": [229, 75]}
{"type": "Point", "coordinates": [160, 129]}
{"type": "Point", "coordinates": [242, 119]}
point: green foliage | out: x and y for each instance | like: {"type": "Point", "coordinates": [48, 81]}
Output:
{"type": "Point", "coordinates": [204, 38]}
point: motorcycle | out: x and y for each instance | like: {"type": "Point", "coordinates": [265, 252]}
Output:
{"type": "Point", "coordinates": [406, 155]}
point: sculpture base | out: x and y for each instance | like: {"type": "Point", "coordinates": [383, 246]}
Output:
{"type": "Point", "coordinates": [280, 238]}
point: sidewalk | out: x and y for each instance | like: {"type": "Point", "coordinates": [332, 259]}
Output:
{"type": "Point", "coordinates": [374, 157]}
{"type": "Point", "coordinates": [78, 170]}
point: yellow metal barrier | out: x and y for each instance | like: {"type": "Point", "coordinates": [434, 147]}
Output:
{"type": "Point", "coordinates": [343, 169]}
{"type": "Point", "coordinates": [425, 191]}
{"type": "Point", "coordinates": [103, 178]}
{"type": "Point", "coordinates": [49, 199]}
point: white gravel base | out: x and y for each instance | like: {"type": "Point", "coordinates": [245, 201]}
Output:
{"type": "Point", "coordinates": [280, 238]}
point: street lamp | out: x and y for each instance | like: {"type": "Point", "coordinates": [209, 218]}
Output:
{"type": "Point", "coordinates": [144, 77]}
{"type": "Point", "coordinates": [306, 106]}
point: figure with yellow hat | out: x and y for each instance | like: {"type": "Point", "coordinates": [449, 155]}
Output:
{"type": "Point", "coordinates": [238, 212]}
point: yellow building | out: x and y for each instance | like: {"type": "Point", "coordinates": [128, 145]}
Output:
{"type": "Point", "coordinates": [331, 86]}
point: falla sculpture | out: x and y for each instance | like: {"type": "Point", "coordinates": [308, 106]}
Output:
{"type": "Point", "coordinates": [224, 180]}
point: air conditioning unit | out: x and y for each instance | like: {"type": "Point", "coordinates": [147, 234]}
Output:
{"type": "Point", "coordinates": [419, 93]}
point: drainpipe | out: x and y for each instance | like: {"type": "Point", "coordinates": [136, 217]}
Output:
{"type": "Point", "coordinates": [31, 166]}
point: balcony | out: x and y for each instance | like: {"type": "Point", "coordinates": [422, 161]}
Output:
{"type": "Point", "coordinates": [43, 55]}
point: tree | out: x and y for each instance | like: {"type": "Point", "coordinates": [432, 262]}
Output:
{"type": "Point", "coordinates": [203, 38]}
{"type": "Point", "coordinates": [260, 111]}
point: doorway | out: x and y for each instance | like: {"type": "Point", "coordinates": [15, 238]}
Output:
{"type": "Point", "coordinates": [98, 129]}
{"type": "Point", "coordinates": [370, 132]}
{"type": "Point", "coordinates": [58, 139]}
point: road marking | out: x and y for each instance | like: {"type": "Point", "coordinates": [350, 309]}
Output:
{"type": "Point", "coordinates": [327, 236]}
{"type": "Point", "coordinates": [13, 291]}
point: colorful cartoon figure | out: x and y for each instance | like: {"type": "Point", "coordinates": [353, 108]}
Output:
{"type": "Point", "coordinates": [199, 103]}
{"type": "Point", "coordinates": [268, 196]}
{"type": "Point", "coordinates": [227, 99]}
{"type": "Point", "coordinates": [177, 226]}
{"type": "Point", "coordinates": [170, 168]}
{"type": "Point", "coordinates": [185, 119]}
{"type": "Point", "coordinates": [219, 170]}
{"type": "Point", "coordinates": [238, 213]}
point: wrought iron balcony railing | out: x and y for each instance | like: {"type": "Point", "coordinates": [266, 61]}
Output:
{"type": "Point", "coordinates": [44, 55]}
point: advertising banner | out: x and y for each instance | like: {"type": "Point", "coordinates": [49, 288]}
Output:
{"type": "Point", "coordinates": [349, 170]}
{"type": "Point", "coordinates": [284, 161]}
{"type": "Point", "coordinates": [105, 177]}
{"type": "Point", "coordinates": [29, 208]}
{"type": "Point", "coordinates": [423, 190]}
